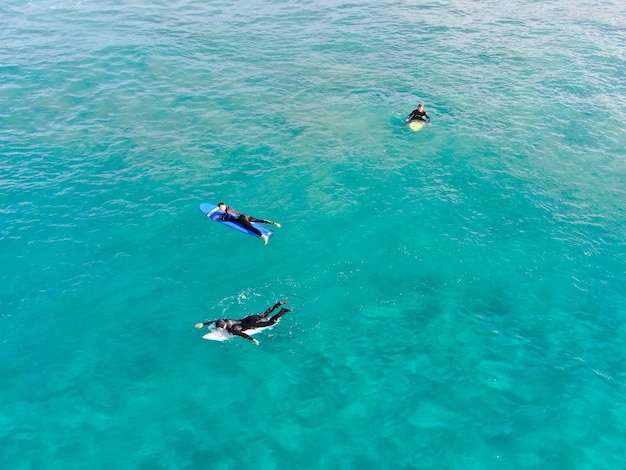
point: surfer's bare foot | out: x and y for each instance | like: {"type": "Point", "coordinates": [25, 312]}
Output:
{"type": "Point", "coordinates": [277, 224]}
{"type": "Point", "coordinates": [265, 238]}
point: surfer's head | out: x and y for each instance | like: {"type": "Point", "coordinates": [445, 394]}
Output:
{"type": "Point", "coordinates": [420, 106]}
{"type": "Point", "coordinates": [220, 324]}
{"type": "Point", "coordinates": [221, 206]}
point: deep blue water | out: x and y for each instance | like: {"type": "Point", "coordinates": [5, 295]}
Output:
{"type": "Point", "coordinates": [458, 293]}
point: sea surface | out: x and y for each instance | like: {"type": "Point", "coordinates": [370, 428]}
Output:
{"type": "Point", "coordinates": [458, 294]}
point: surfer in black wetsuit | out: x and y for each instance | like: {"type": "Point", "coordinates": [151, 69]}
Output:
{"type": "Point", "coordinates": [238, 327]}
{"type": "Point", "coordinates": [418, 115]}
{"type": "Point", "coordinates": [229, 213]}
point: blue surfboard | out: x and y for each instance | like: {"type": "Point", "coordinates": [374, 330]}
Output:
{"type": "Point", "coordinates": [211, 210]}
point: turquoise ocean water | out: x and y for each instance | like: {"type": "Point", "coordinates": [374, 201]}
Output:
{"type": "Point", "coordinates": [458, 293]}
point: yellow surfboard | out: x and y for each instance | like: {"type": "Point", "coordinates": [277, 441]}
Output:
{"type": "Point", "coordinates": [416, 125]}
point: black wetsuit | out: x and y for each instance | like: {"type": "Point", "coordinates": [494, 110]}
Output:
{"type": "Point", "coordinates": [242, 219]}
{"type": "Point", "coordinates": [238, 327]}
{"type": "Point", "coordinates": [417, 115]}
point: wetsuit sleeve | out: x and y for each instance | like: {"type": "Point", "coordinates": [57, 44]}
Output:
{"type": "Point", "coordinates": [230, 213]}
{"type": "Point", "coordinates": [242, 334]}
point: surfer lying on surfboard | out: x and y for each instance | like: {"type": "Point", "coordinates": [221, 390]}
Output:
{"type": "Point", "coordinates": [229, 213]}
{"type": "Point", "coordinates": [418, 114]}
{"type": "Point", "coordinates": [238, 327]}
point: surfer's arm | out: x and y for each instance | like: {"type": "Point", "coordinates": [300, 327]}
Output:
{"type": "Point", "coordinates": [244, 335]}
{"type": "Point", "coordinates": [230, 213]}
{"type": "Point", "coordinates": [200, 325]}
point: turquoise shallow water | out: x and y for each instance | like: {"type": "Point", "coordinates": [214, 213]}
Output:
{"type": "Point", "coordinates": [458, 293]}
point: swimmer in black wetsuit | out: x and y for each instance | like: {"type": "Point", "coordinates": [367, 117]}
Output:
{"type": "Point", "coordinates": [238, 327]}
{"type": "Point", "coordinates": [229, 213]}
{"type": "Point", "coordinates": [418, 115]}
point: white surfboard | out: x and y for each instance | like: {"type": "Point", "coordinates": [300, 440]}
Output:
{"type": "Point", "coordinates": [217, 334]}
{"type": "Point", "coordinates": [416, 125]}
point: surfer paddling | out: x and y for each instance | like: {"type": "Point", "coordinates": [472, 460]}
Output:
{"type": "Point", "coordinates": [418, 114]}
{"type": "Point", "coordinates": [227, 213]}
{"type": "Point", "coordinates": [239, 327]}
